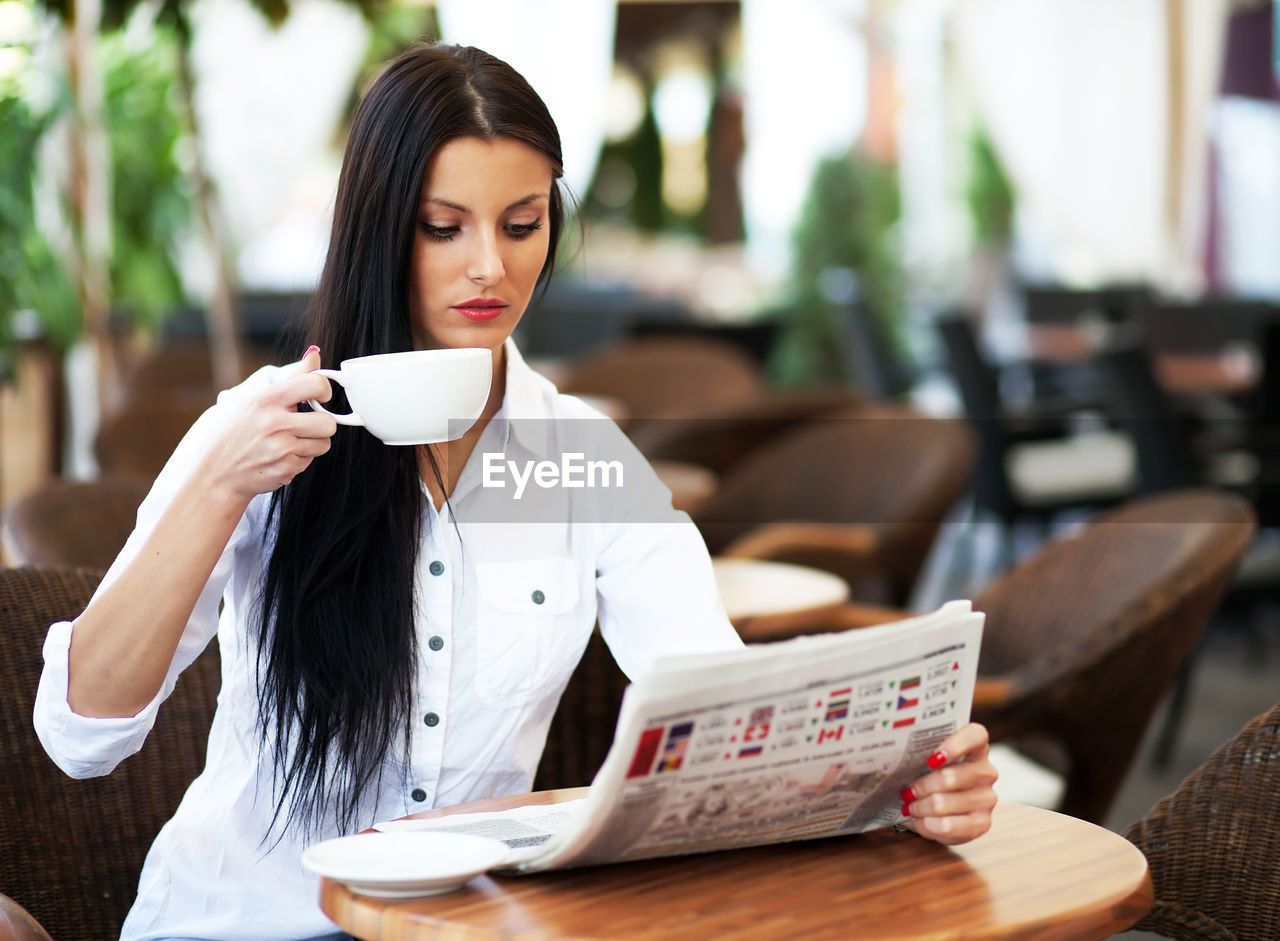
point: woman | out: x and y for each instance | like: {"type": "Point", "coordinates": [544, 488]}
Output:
{"type": "Point", "coordinates": [385, 649]}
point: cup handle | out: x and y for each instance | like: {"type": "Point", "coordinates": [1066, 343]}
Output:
{"type": "Point", "coordinates": [349, 418]}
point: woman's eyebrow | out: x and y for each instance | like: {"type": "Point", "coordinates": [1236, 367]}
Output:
{"type": "Point", "coordinates": [437, 201]}
{"type": "Point", "coordinates": [531, 198]}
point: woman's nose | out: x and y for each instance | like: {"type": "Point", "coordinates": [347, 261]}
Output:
{"type": "Point", "coordinates": [485, 264]}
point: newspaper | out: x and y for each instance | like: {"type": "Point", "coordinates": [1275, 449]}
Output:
{"type": "Point", "coordinates": [804, 738]}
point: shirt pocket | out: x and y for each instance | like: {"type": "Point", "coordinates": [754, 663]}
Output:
{"type": "Point", "coordinates": [524, 626]}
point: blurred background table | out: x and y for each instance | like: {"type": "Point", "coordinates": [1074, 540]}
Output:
{"type": "Point", "coordinates": [1035, 874]}
{"type": "Point", "coordinates": [691, 485]}
{"type": "Point", "coordinates": [758, 593]}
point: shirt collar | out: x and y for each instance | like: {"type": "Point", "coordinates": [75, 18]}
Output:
{"type": "Point", "coordinates": [526, 405]}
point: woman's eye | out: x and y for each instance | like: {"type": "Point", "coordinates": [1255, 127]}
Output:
{"type": "Point", "coordinates": [522, 230]}
{"type": "Point", "coordinates": [441, 233]}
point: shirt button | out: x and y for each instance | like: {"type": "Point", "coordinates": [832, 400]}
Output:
{"type": "Point", "coordinates": [418, 794]}
{"type": "Point", "coordinates": [539, 597]}
{"type": "Point", "coordinates": [436, 642]}
{"type": "Point", "coordinates": [431, 719]}
{"type": "Point", "coordinates": [436, 568]}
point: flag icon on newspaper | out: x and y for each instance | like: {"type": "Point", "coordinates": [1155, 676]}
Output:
{"type": "Point", "coordinates": [905, 703]}
{"type": "Point", "coordinates": [910, 682]}
{"type": "Point", "coordinates": [838, 704]}
{"type": "Point", "coordinates": [761, 715]}
{"type": "Point", "coordinates": [674, 750]}
{"type": "Point", "coordinates": [903, 723]}
{"type": "Point", "coordinates": [759, 723]}
{"type": "Point", "coordinates": [646, 751]}
{"type": "Point", "coordinates": [750, 752]}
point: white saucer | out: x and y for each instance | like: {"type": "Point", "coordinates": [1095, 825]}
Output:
{"type": "Point", "coordinates": [402, 865]}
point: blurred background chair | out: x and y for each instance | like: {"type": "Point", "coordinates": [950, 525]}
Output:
{"type": "Point", "coordinates": [1175, 448]}
{"type": "Point", "coordinates": [1032, 464]}
{"type": "Point", "coordinates": [137, 440]}
{"type": "Point", "coordinates": [666, 377]}
{"type": "Point", "coordinates": [73, 850]}
{"type": "Point", "coordinates": [1213, 846]}
{"type": "Point", "coordinates": [873, 363]}
{"type": "Point", "coordinates": [71, 523]}
{"type": "Point", "coordinates": [186, 368]}
{"type": "Point", "coordinates": [1085, 637]}
{"type": "Point", "coordinates": [721, 440]}
{"type": "Point", "coordinates": [1171, 448]}
{"type": "Point", "coordinates": [581, 732]}
{"type": "Point", "coordinates": [862, 493]}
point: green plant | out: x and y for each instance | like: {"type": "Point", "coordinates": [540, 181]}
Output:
{"type": "Point", "coordinates": [149, 206]}
{"type": "Point", "coordinates": [150, 198]}
{"type": "Point", "coordinates": [32, 275]}
{"type": "Point", "coordinates": [843, 243]}
{"type": "Point", "coordinates": [988, 192]}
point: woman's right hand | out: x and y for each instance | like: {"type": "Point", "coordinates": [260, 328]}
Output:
{"type": "Point", "coordinates": [272, 442]}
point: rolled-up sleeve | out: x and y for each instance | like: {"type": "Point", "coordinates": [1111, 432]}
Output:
{"type": "Point", "coordinates": [86, 746]}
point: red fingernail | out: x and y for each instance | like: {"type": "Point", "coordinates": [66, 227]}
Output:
{"type": "Point", "coordinates": [907, 795]}
{"type": "Point", "coordinates": [936, 760]}
{"type": "Point", "coordinates": [906, 811]}
{"type": "Point", "coordinates": [311, 349]}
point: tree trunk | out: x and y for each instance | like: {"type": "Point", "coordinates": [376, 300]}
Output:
{"type": "Point", "coordinates": [88, 196]}
{"type": "Point", "coordinates": [222, 316]}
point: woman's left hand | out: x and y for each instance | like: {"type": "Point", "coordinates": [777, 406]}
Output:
{"type": "Point", "coordinates": [953, 803]}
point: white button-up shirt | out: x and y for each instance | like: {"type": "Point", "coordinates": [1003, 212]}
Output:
{"type": "Point", "coordinates": [507, 595]}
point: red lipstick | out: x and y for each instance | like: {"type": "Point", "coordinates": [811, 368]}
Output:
{"type": "Point", "coordinates": [481, 309]}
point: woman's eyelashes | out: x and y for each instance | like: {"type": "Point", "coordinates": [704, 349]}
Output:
{"type": "Point", "coordinates": [441, 233]}
{"type": "Point", "coordinates": [522, 230]}
{"type": "Point", "coordinates": [446, 233]}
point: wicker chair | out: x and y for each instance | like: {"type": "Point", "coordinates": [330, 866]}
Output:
{"type": "Point", "coordinates": [582, 731]}
{"type": "Point", "coordinates": [720, 441]}
{"type": "Point", "coordinates": [73, 850]}
{"type": "Point", "coordinates": [861, 493]}
{"type": "Point", "coordinates": [1084, 639]}
{"type": "Point", "coordinates": [185, 368]}
{"type": "Point", "coordinates": [667, 377]}
{"type": "Point", "coordinates": [71, 523]}
{"type": "Point", "coordinates": [137, 440]}
{"type": "Point", "coordinates": [1213, 845]}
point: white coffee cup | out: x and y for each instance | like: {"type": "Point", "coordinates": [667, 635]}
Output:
{"type": "Point", "coordinates": [416, 397]}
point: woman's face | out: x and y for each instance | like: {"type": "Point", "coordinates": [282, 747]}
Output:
{"type": "Point", "coordinates": [481, 241]}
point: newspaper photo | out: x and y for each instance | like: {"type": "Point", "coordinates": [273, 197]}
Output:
{"type": "Point", "coordinates": [810, 737]}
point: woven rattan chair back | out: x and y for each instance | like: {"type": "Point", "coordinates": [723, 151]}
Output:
{"type": "Point", "coordinates": [721, 441]}
{"type": "Point", "coordinates": [1091, 631]}
{"type": "Point", "coordinates": [137, 440]}
{"type": "Point", "coordinates": [71, 523]}
{"type": "Point", "coordinates": [1213, 845]}
{"type": "Point", "coordinates": [581, 732]}
{"type": "Point", "coordinates": [667, 377]}
{"type": "Point", "coordinates": [887, 468]}
{"type": "Point", "coordinates": [73, 850]}
{"type": "Point", "coordinates": [184, 368]}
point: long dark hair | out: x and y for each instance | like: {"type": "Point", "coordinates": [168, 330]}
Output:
{"type": "Point", "coordinates": [336, 625]}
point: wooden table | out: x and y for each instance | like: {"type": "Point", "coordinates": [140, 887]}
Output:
{"type": "Point", "coordinates": [1228, 370]}
{"type": "Point", "coordinates": [1037, 874]}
